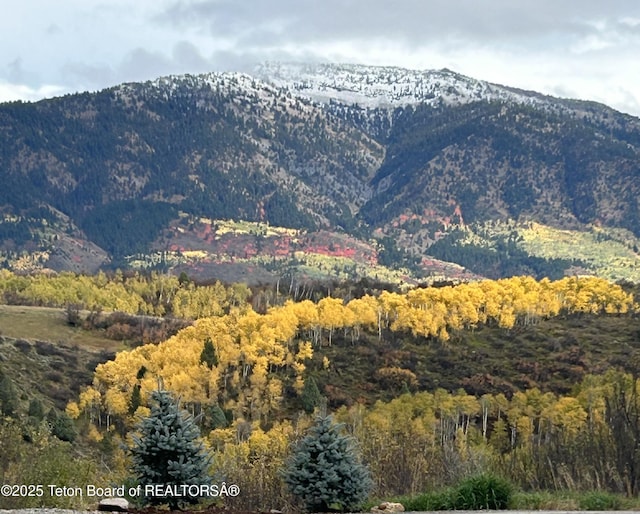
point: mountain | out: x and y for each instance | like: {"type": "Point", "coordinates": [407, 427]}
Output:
{"type": "Point", "coordinates": [390, 87]}
{"type": "Point", "coordinates": [421, 160]}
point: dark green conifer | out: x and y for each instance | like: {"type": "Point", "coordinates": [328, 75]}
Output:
{"type": "Point", "coordinates": [64, 428]}
{"type": "Point", "coordinates": [136, 399]}
{"type": "Point", "coordinates": [325, 473]}
{"type": "Point", "coordinates": [310, 397]}
{"type": "Point", "coordinates": [216, 418]}
{"type": "Point", "coordinates": [208, 355]}
{"type": "Point", "coordinates": [36, 410]}
{"type": "Point", "coordinates": [8, 396]}
{"type": "Point", "coordinates": [168, 450]}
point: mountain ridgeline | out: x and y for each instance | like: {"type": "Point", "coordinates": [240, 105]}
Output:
{"type": "Point", "coordinates": [351, 149]}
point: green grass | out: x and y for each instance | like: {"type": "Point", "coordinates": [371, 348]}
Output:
{"type": "Point", "coordinates": [479, 492]}
{"type": "Point", "coordinates": [572, 500]}
{"type": "Point", "coordinates": [600, 500]}
{"type": "Point", "coordinates": [45, 357]}
{"type": "Point", "coordinates": [472, 493]}
{"type": "Point", "coordinates": [49, 324]}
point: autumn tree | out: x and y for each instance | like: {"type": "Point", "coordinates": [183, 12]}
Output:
{"type": "Point", "coordinates": [623, 416]}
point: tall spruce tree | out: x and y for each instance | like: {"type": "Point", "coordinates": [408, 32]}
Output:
{"type": "Point", "coordinates": [310, 397]}
{"type": "Point", "coordinates": [325, 471]}
{"type": "Point", "coordinates": [168, 451]}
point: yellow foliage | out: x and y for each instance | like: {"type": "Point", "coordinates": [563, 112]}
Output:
{"type": "Point", "coordinates": [72, 410]}
{"type": "Point", "coordinates": [89, 397]}
{"type": "Point", "coordinates": [94, 435]}
{"type": "Point", "coordinates": [260, 354]}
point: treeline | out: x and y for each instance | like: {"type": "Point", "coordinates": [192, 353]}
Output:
{"type": "Point", "coordinates": [256, 360]}
{"type": "Point", "coordinates": [132, 293]}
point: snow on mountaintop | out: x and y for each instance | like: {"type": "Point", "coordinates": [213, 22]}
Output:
{"type": "Point", "coordinates": [224, 82]}
{"type": "Point", "coordinates": [372, 87]}
{"type": "Point", "coordinates": [240, 87]}
{"type": "Point", "coordinates": [376, 86]}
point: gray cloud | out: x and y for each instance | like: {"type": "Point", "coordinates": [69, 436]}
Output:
{"type": "Point", "coordinates": [89, 76]}
{"type": "Point", "coordinates": [414, 22]}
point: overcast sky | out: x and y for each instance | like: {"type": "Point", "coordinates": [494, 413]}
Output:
{"type": "Point", "coordinates": [587, 49]}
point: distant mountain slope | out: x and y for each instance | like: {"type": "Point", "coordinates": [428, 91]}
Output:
{"type": "Point", "coordinates": [401, 155]}
{"type": "Point", "coordinates": [223, 145]}
{"type": "Point", "coordinates": [487, 151]}
{"type": "Point", "coordinates": [499, 161]}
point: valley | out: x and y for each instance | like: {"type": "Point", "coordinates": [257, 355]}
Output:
{"type": "Point", "coordinates": [448, 267]}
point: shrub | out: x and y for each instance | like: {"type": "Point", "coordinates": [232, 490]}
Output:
{"type": "Point", "coordinates": [22, 345]}
{"type": "Point", "coordinates": [484, 491]}
{"type": "Point", "coordinates": [599, 500]}
{"type": "Point", "coordinates": [8, 397]}
{"type": "Point", "coordinates": [63, 428]}
{"type": "Point", "coordinates": [396, 378]}
{"type": "Point", "coordinates": [434, 500]}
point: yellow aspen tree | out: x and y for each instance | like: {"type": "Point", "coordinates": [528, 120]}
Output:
{"type": "Point", "coordinates": [331, 313]}
{"type": "Point", "coordinates": [467, 407]}
{"type": "Point", "coordinates": [365, 312]}
{"type": "Point", "coordinates": [90, 402]}
{"type": "Point", "coordinates": [492, 292]}
{"type": "Point", "coordinates": [487, 408]}
{"type": "Point", "coordinates": [307, 314]}
{"type": "Point", "coordinates": [567, 415]}
{"type": "Point", "coordinates": [591, 396]}
{"type": "Point", "coordinates": [73, 410]}
{"type": "Point", "coordinates": [116, 402]}
{"type": "Point", "coordinates": [391, 303]}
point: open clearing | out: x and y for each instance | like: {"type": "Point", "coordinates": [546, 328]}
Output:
{"type": "Point", "coordinates": [49, 324]}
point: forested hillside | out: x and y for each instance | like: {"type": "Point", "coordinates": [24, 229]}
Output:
{"type": "Point", "coordinates": [514, 376]}
{"type": "Point", "coordinates": [96, 180]}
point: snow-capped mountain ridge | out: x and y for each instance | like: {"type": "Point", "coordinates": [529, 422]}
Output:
{"type": "Point", "coordinates": [228, 83]}
{"type": "Point", "coordinates": [379, 88]}
{"type": "Point", "coordinates": [390, 87]}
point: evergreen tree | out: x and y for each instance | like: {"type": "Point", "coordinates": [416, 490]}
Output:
{"type": "Point", "coordinates": [61, 425]}
{"type": "Point", "coordinates": [64, 428]}
{"type": "Point", "coordinates": [208, 355]}
{"type": "Point", "coordinates": [136, 399]}
{"type": "Point", "coordinates": [325, 472]}
{"type": "Point", "coordinates": [215, 417]}
{"type": "Point", "coordinates": [310, 397]}
{"type": "Point", "coordinates": [168, 451]}
{"type": "Point", "coordinates": [8, 396]}
{"type": "Point", "coordinates": [36, 410]}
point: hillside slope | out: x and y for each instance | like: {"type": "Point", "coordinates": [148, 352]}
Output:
{"type": "Point", "coordinates": [385, 152]}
